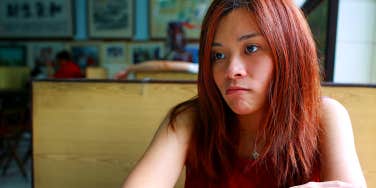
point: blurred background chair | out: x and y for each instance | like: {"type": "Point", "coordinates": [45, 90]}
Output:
{"type": "Point", "coordinates": [14, 127]}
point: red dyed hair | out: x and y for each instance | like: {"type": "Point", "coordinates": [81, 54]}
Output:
{"type": "Point", "coordinates": [291, 124]}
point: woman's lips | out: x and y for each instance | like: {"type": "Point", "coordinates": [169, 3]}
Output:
{"type": "Point", "coordinates": [236, 90]}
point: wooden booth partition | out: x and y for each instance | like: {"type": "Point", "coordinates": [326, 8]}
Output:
{"type": "Point", "coordinates": [360, 102]}
{"type": "Point", "coordinates": [90, 134]}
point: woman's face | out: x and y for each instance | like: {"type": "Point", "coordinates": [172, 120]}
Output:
{"type": "Point", "coordinates": [242, 62]}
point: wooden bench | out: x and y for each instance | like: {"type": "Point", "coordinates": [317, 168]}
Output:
{"type": "Point", "coordinates": [14, 78]}
{"type": "Point", "coordinates": [90, 134]}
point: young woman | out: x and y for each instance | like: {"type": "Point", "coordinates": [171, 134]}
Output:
{"type": "Point", "coordinates": [258, 119]}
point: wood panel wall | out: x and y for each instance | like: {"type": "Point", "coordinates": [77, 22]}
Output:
{"type": "Point", "coordinates": [90, 134]}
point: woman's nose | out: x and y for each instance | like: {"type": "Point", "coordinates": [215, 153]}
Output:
{"type": "Point", "coordinates": [236, 68]}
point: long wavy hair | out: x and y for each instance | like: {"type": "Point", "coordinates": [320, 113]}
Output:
{"type": "Point", "coordinates": [291, 124]}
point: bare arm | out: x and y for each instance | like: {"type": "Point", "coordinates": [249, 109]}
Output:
{"type": "Point", "coordinates": [340, 165]}
{"type": "Point", "coordinates": [339, 158]}
{"type": "Point", "coordinates": [156, 65]}
{"type": "Point", "coordinates": [163, 161]}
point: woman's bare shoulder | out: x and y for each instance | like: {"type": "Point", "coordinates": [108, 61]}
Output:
{"type": "Point", "coordinates": [182, 120]}
{"type": "Point", "coordinates": [170, 142]}
{"type": "Point", "coordinates": [331, 108]}
{"type": "Point", "coordinates": [339, 160]}
{"type": "Point", "coordinates": [334, 118]}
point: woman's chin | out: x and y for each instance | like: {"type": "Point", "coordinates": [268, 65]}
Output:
{"type": "Point", "coordinates": [243, 110]}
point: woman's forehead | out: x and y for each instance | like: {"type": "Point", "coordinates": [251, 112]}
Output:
{"type": "Point", "coordinates": [237, 23]}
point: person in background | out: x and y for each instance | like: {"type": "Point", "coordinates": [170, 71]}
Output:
{"type": "Point", "coordinates": [176, 42]}
{"type": "Point", "coordinates": [66, 68]}
{"type": "Point", "coordinates": [259, 119]}
{"type": "Point", "coordinates": [158, 66]}
{"type": "Point", "coordinates": [177, 59]}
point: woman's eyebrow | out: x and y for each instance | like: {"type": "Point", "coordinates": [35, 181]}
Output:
{"type": "Point", "coordinates": [241, 38]}
{"type": "Point", "coordinates": [247, 36]}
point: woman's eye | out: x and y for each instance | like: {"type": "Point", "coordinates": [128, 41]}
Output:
{"type": "Point", "coordinates": [218, 56]}
{"type": "Point", "coordinates": [251, 49]}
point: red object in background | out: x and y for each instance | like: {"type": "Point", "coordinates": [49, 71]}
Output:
{"type": "Point", "coordinates": [68, 69]}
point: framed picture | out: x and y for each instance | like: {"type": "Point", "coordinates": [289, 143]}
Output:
{"type": "Point", "coordinates": [35, 18]}
{"type": "Point", "coordinates": [85, 54]}
{"type": "Point", "coordinates": [41, 57]}
{"type": "Point", "coordinates": [189, 13]}
{"type": "Point", "coordinates": [110, 18]}
{"type": "Point", "coordinates": [144, 51]}
{"type": "Point", "coordinates": [43, 53]}
{"type": "Point", "coordinates": [12, 55]}
{"type": "Point", "coordinates": [193, 48]}
{"type": "Point", "coordinates": [114, 53]}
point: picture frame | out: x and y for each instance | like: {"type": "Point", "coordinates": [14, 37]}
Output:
{"type": "Point", "coordinates": [114, 57]}
{"type": "Point", "coordinates": [36, 19]}
{"type": "Point", "coordinates": [145, 51]}
{"type": "Point", "coordinates": [43, 53]}
{"type": "Point", "coordinates": [110, 18]}
{"type": "Point", "coordinates": [85, 54]}
{"type": "Point", "coordinates": [13, 56]}
{"type": "Point", "coordinates": [193, 48]}
{"type": "Point", "coordinates": [41, 57]}
{"type": "Point", "coordinates": [114, 53]}
{"type": "Point", "coordinates": [190, 13]}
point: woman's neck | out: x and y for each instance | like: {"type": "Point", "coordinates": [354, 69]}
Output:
{"type": "Point", "coordinates": [249, 123]}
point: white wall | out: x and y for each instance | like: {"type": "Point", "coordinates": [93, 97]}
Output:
{"type": "Point", "coordinates": [374, 62]}
{"type": "Point", "coordinates": [374, 57]}
{"type": "Point", "coordinates": [355, 56]}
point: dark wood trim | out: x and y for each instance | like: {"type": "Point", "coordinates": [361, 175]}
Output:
{"type": "Point", "coordinates": [331, 39]}
{"type": "Point", "coordinates": [331, 34]}
{"type": "Point", "coordinates": [329, 84]}
{"type": "Point", "coordinates": [332, 84]}
{"type": "Point", "coordinates": [310, 5]}
{"type": "Point", "coordinates": [151, 81]}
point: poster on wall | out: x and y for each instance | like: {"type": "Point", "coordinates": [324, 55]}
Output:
{"type": "Point", "coordinates": [193, 48]}
{"type": "Point", "coordinates": [36, 18]}
{"type": "Point", "coordinates": [114, 53]}
{"type": "Point", "coordinates": [145, 51]}
{"type": "Point", "coordinates": [43, 53]}
{"type": "Point", "coordinates": [12, 55]}
{"type": "Point", "coordinates": [110, 18]}
{"type": "Point", "coordinates": [85, 54]}
{"type": "Point", "coordinates": [42, 57]}
{"type": "Point", "coordinates": [189, 13]}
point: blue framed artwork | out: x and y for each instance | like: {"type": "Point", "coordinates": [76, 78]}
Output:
{"type": "Point", "coordinates": [12, 55]}
{"type": "Point", "coordinates": [85, 54]}
{"type": "Point", "coordinates": [145, 51]}
{"type": "Point", "coordinates": [189, 13]}
{"type": "Point", "coordinates": [36, 19]}
{"type": "Point", "coordinates": [110, 18]}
